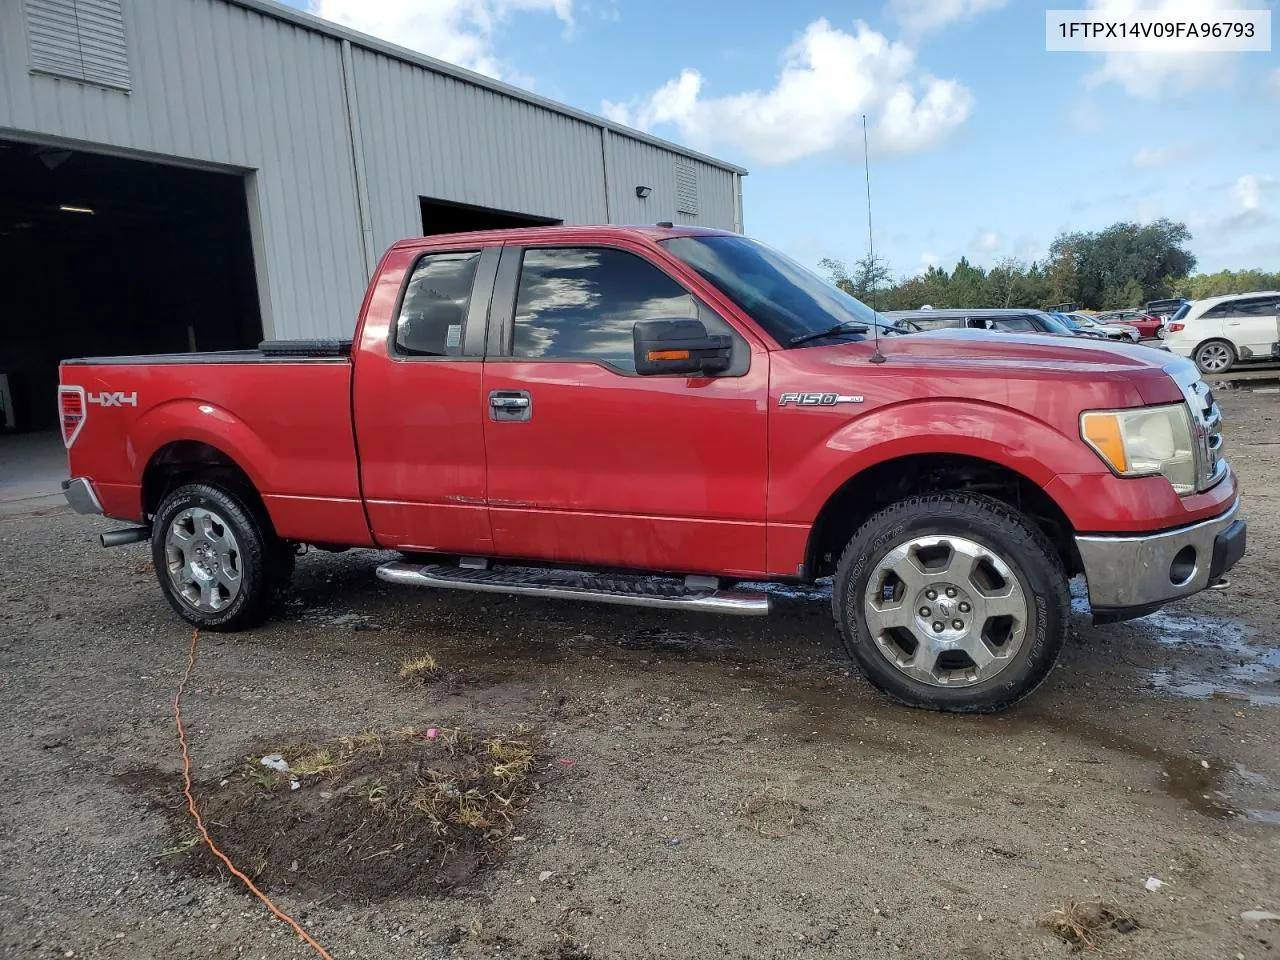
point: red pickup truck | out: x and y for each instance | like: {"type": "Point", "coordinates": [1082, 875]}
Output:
{"type": "Point", "coordinates": [665, 417]}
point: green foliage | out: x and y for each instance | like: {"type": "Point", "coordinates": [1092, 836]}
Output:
{"type": "Point", "coordinates": [1124, 265]}
{"type": "Point", "coordinates": [1204, 285]}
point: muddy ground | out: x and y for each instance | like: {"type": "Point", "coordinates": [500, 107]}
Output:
{"type": "Point", "coordinates": [730, 789]}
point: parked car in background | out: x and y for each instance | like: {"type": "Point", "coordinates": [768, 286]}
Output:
{"type": "Point", "coordinates": [1219, 332]}
{"type": "Point", "coordinates": [1148, 326]}
{"type": "Point", "coordinates": [1164, 309]}
{"type": "Point", "coordinates": [1085, 323]}
{"type": "Point", "coordinates": [1007, 320]}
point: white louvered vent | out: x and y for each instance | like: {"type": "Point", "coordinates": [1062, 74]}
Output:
{"type": "Point", "coordinates": [686, 187]}
{"type": "Point", "coordinates": [80, 39]}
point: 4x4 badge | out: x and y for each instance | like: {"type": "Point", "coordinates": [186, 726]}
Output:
{"type": "Point", "coordinates": [816, 399]}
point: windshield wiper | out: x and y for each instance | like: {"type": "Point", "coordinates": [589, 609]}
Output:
{"type": "Point", "coordinates": [847, 326]}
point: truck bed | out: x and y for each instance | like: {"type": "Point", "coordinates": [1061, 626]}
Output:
{"type": "Point", "coordinates": [281, 412]}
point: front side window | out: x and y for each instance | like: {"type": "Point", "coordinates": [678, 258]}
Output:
{"type": "Point", "coordinates": [580, 303]}
{"type": "Point", "coordinates": [435, 304]}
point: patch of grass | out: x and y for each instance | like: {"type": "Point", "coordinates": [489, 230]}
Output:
{"type": "Point", "coordinates": [1086, 924]}
{"type": "Point", "coordinates": [315, 763]}
{"type": "Point", "coordinates": [423, 669]}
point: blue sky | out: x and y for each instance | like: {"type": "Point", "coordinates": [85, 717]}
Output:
{"type": "Point", "coordinates": [983, 144]}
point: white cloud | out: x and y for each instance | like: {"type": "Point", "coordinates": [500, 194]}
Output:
{"type": "Point", "coordinates": [1248, 190]}
{"type": "Point", "coordinates": [927, 260]}
{"type": "Point", "coordinates": [987, 241]}
{"type": "Point", "coordinates": [922, 16]}
{"type": "Point", "coordinates": [1150, 74]}
{"type": "Point", "coordinates": [829, 79]}
{"type": "Point", "coordinates": [1148, 157]}
{"type": "Point", "coordinates": [457, 31]}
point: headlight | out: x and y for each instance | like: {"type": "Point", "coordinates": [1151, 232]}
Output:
{"type": "Point", "coordinates": [1144, 441]}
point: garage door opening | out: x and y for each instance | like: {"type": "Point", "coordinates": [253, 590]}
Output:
{"type": "Point", "coordinates": [102, 255]}
{"type": "Point", "coordinates": [441, 216]}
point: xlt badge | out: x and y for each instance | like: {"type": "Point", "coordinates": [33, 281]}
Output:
{"type": "Point", "coordinates": [816, 399]}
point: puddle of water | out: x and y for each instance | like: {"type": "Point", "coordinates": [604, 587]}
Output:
{"type": "Point", "coordinates": [1260, 385]}
{"type": "Point", "coordinates": [1250, 671]}
{"type": "Point", "coordinates": [1171, 681]}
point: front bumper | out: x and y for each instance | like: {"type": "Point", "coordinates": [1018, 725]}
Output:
{"type": "Point", "coordinates": [1131, 576]}
{"type": "Point", "coordinates": [81, 495]}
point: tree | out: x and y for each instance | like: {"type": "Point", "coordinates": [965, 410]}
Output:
{"type": "Point", "coordinates": [1123, 265]}
{"type": "Point", "coordinates": [1004, 281]}
{"type": "Point", "coordinates": [871, 275]}
{"type": "Point", "coordinates": [1205, 285]}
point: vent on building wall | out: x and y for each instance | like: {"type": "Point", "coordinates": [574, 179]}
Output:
{"type": "Point", "coordinates": [686, 187]}
{"type": "Point", "coordinates": [80, 39]}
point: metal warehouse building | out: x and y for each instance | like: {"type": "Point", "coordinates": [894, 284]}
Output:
{"type": "Point", "coordinates": [198, 174]}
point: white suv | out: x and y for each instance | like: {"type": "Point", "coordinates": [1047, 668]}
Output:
{"type": "Point", "coordinates": [1218, 332]}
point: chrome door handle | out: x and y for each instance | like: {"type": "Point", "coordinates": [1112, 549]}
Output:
{"type": "Point", "coordinates": [510, 405]}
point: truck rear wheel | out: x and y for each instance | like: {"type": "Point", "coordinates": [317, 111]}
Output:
{"type": "Point", "coordinates": [216, 561]}
{"type": "Point", "coordinates": [952, 601]}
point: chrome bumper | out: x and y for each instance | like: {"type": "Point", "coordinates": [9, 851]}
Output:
{"type": "Point", "coordinates": [1133, 575]}
{"type": "Point", "coordinates": [81, 495]}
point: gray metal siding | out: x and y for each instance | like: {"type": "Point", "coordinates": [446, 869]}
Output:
{"type": "Point", "coordinates": [634, 163]}
{"type": "Point", "coordinates": [215, 83]}
{"type": "Point", "coordinates": [429, 135]}
{"type": "Point", "coordinates": [228, 84]}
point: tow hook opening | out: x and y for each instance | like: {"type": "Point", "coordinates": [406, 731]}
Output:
{"type": "Point", "coordinates": [1183, 567]}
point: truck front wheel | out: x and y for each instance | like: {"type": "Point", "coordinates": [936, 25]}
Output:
{"type": "Point", "coordinates": [214, 557]}
{"type": "Point", "coordinates": [952, 601]}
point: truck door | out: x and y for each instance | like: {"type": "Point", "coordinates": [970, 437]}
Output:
{"type": "Point", "coordinates": [590, 462]}
{"type": "Point", "coordinates": [1250, 323]}
{"type": "Point", "coordinates": [417, 400]}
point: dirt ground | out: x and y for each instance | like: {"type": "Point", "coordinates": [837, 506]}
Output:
{"type": "Point", "coordinates": [707, 786]}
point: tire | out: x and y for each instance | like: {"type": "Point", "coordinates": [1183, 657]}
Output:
{"type": "Point", "coordinates": [1207, 354]}
{"type": "Point", "coordinates": [217, 562]}
{"type": "Point", "coordinates": [1008, 555]}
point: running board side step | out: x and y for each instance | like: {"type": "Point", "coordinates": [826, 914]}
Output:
{"type": "Point", "coordinates": [627, 590]}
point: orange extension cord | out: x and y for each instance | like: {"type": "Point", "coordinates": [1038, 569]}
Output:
{"type": "Point", "coordinates": [191, 805]}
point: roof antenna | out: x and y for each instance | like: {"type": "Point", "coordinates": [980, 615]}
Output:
{"type": "Point", "coordinates": [877, 356]}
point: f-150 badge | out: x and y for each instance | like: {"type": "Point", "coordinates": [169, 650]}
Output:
{"type": "Point", "coordinates": [816, 399]}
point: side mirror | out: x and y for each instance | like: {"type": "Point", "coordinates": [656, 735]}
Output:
{"type": "Point", "coordinates": [679, 346]}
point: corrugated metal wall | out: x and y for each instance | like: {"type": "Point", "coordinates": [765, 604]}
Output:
{"type": "Point", "coordinates": [215, 82]}
{"type": "Point", "coordinates": [634, 163]}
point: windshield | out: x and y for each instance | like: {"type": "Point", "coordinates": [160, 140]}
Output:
{"type": "Point", "coordinates": [783, 297]}
{"type": "Point", "coordinates": [1067, 321]}
{"type": "Point", "coordinates": [1182, 311]}
{"type": "Point", "coordinates": [1055, 324]}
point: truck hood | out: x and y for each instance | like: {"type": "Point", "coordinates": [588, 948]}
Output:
{"type": "Point", "coordinates": [1139, 375]}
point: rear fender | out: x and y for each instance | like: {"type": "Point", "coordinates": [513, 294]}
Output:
{"type": "Point", "coordinates": [205, 422]}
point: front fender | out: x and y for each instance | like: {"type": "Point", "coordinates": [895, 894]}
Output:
{"type": "Point", "coordinates": [1014, 439]}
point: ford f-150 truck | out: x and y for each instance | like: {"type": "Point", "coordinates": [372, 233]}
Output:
{"type": "Point", "coordinates": [666, 417]}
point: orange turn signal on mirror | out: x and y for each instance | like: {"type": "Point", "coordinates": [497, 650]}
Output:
{"type": "Point", "coordinates": [1102, 432]}
{"type": "Point", "coordinates": [668, 355]}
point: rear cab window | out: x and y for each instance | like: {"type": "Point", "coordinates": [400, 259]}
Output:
{"type": "Point", "coordinates": [433, 309]}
